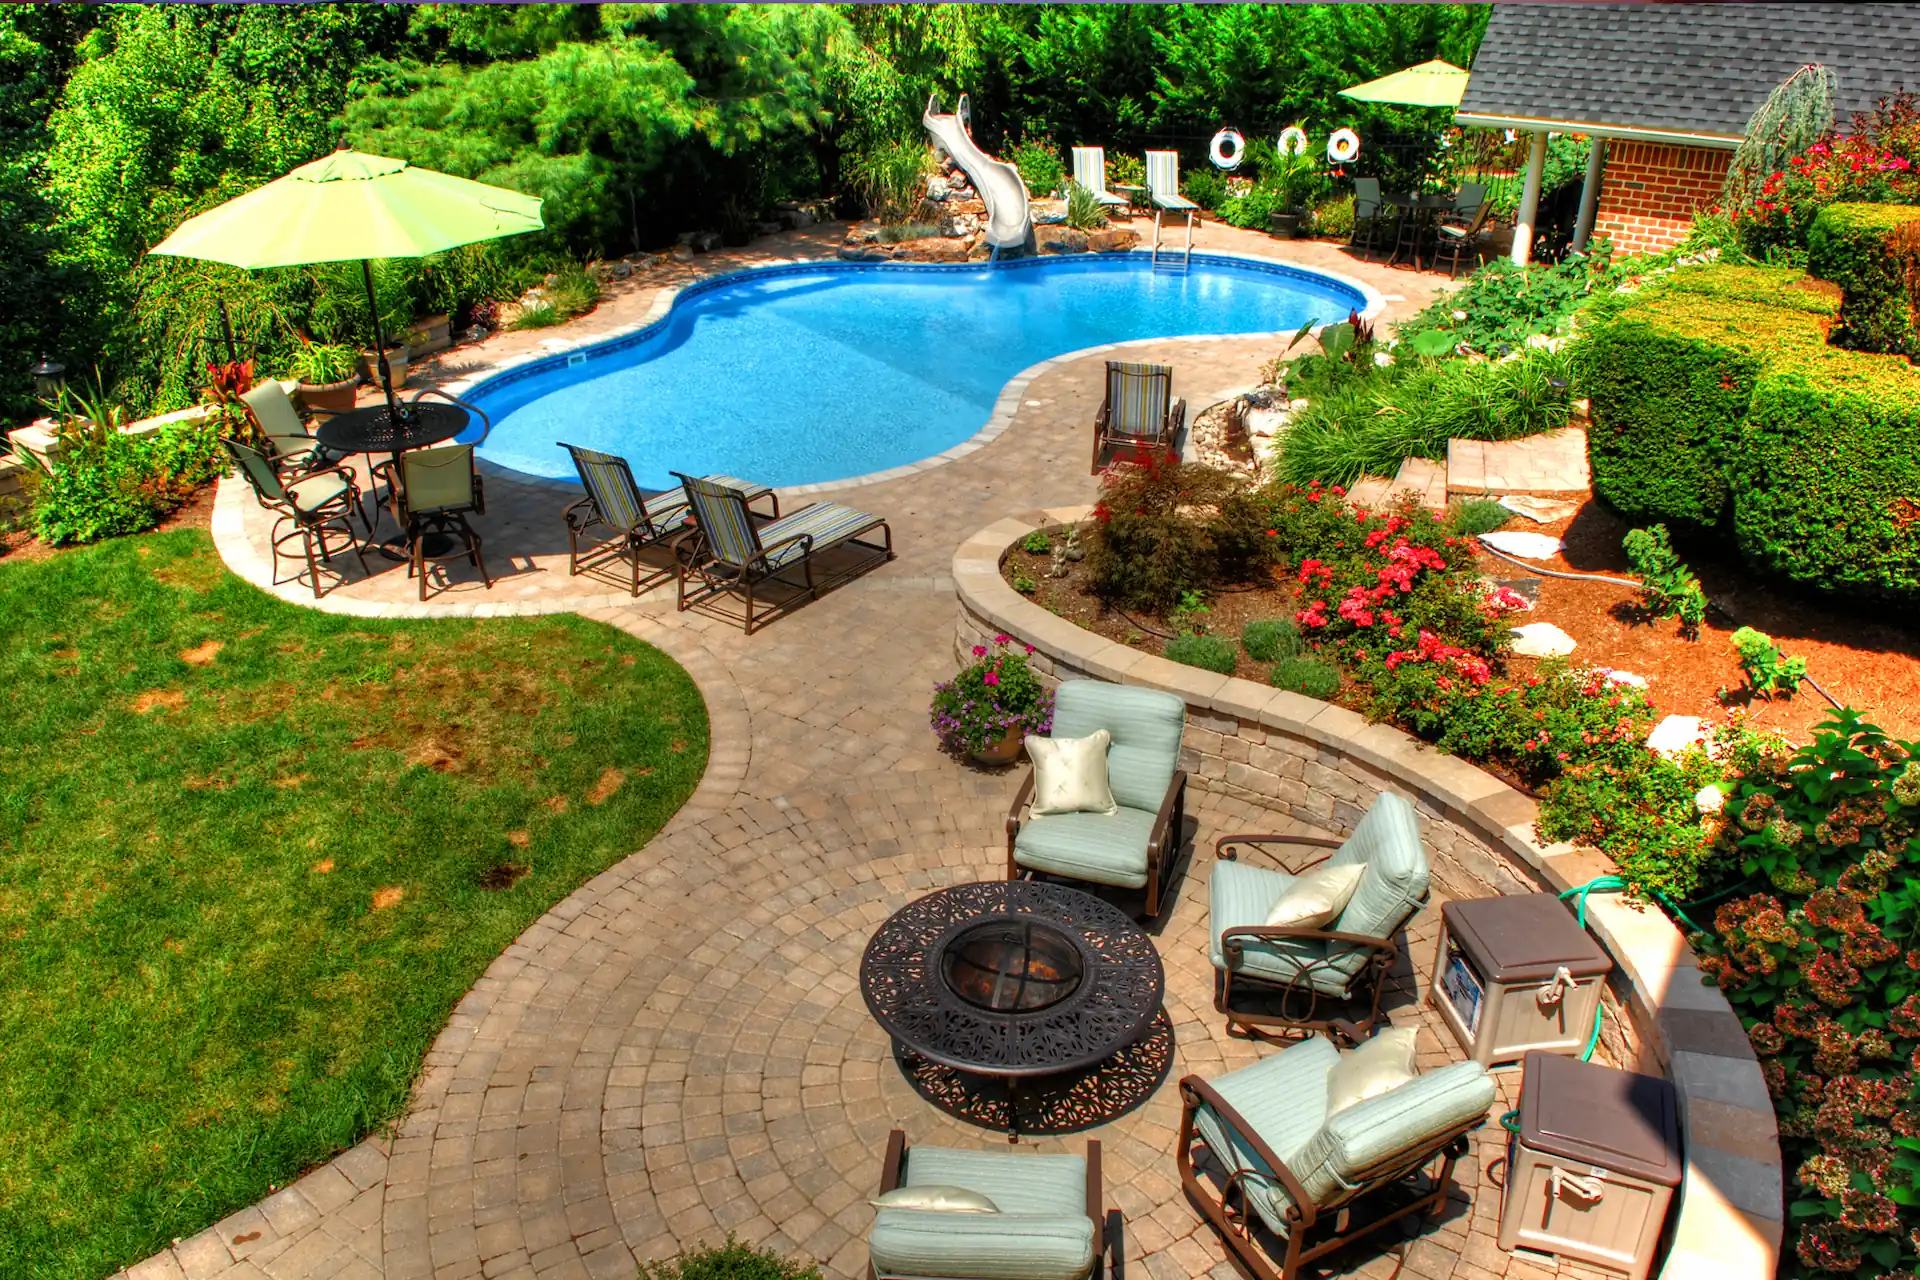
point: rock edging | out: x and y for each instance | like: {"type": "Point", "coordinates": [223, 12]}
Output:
{"type": "Point", "coordinates": [1319, 763]}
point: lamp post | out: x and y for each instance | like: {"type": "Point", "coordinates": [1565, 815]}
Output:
{"type": "Point", "coordinates": [49, 379]}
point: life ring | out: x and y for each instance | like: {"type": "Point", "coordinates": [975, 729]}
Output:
{"type": "Point", "coordinates": [1342, 145]}
{"type": "Point", "coordinates": [1293, 141]}
{"type": "Point", "coordinates": [1229, 148]}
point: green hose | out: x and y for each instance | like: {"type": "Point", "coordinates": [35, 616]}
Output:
{"type": "Point", "coordinates": [1599, 884]}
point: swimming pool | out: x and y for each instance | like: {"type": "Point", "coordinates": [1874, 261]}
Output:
{"type": "Point", "coordinates": [817, 372]}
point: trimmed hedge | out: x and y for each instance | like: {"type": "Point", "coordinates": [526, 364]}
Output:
{"type": "Point", "coordinates": [1870, 251]}
{"type": "Point", "coordinates": [1669, 378]}
{"type": "Point", "coordinates": [1717, 401]}
{"type": "Point", "coordinates": [1827, 478]}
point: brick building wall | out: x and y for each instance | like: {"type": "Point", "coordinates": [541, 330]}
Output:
{"type": "Point", "coordinates": [1650, 192]}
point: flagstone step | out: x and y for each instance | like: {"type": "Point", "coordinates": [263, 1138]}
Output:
{"type": "Point", "coordinates": [1426, 478]}
{"type": "Point", "coordinates": [1370, 491]}
{"type": "Point", "coordinates": [1553, 462]}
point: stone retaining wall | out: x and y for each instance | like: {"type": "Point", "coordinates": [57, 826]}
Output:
{"type": "Point", "coordinates": [1322, 764]}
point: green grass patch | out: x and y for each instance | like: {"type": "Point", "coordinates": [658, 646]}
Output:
{"type": "Point", "coordinates": [251, 856]}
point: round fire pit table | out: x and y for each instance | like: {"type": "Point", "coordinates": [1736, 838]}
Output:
{"type": "Point", "coordinates": [1011, 980]}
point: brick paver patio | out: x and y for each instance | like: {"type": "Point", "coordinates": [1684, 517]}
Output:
{"type": "Point", "coordinates": [679, 1050]}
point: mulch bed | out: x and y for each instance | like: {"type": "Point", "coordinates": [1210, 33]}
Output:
{"type": "Point", "coordinates": [1862, 656]}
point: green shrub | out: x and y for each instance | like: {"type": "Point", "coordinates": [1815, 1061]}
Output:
{"type": "Point", "coordinates": [1252, 209]}
{"type": "Point", "coordinates": [1503, 304]}
{"type": "Point", "coordinates": [731, 1261]}
{"type": "Point", "coordinates": [1827, 475]}
{"type": "Point", "coordinates": [1163, 531]}
{"type": "Point", "coordinates": [1471, 517]}
{"type": "Point", "coordinates": [1039, 166]}
{"type": "Point", "coordinates": [1334, 217]}
{"type": "Point", "coordinates": [1668, 588]}
{"type": "Point", "coordinates": [1641, 815]}
{"type": "Point", "coordinates": [573, 290]}
{"type": "Point", "coordinates": [319, 363]}
{"type": "Point", "coordinates": [1669, 378]}
{"type": "Point", "coordinates": [1209, 653]}
{"type": "Point", "coordinates": [540, 314]}
{"type": "Point", "coordinates": [1270, 639]}
{"type": "Point", "coordinates": [1872, 251]}
{"type": "Point", "coordinates": [1308, 677]}
{"type": "Point", "coordinates": [890, 178]}
{"type": "Point", "coordinates": [1037, 543]}
{"type": "Point", "coordinates": [1124, 169]}
{"type": "Point", "coordinates": [895, 232]}
{"type": "Point", "coordinates": [103, 484]}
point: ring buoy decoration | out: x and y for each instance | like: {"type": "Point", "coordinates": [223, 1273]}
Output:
{"type": "Point", "coordinates": [1229, 148]}
{"type": "Point", "coordinates": [1342, 145]}
{"type": "Point", "coordinates": [1293, 141]}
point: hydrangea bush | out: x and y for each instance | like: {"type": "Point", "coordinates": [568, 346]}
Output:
{"type": "Point", "coordinates": [1824, 970]}
{"type": "Point", "coordinates": [997, 695]}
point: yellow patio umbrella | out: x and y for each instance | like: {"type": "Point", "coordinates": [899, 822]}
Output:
{"type": "Point", "coordinates": [1431, 84]}
{"type": "Point", "coordinates": [347, 206]}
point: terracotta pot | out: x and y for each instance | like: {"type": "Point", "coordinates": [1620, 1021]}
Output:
{"type": "Point", "coordinates": [328, 397]}
{"type": "Point", "coordinates": [396, 365]}
{"type": "Point", "coordinates": [1003, 752]}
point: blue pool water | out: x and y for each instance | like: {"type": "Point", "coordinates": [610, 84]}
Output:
{"type": "Point", "coordinates": [800, 375]}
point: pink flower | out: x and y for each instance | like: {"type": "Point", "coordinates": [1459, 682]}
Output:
{"type": "Point", "coordinates": [1002, 639]}
{"type": "Point", "coordinates": [979, 651]}
{"type": "Point", "coordinates": [993, 677]}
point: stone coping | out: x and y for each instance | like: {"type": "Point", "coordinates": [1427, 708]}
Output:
{"type": "Point", "coordinates": [1729, 1222]}
{"type": "Point", "coordinates": [560, 352]}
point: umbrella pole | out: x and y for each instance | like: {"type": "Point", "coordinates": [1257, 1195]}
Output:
{"type": "Point", "coordinates": [226, 322]}
{"type": "Point", "coordinates": [379, 341]}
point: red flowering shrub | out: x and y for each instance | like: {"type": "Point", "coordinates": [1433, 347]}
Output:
{"type": "Point", "coordinates": [1825, 972]}
{"type": "Point", "coordinates": [1163, 529]}
{"type": "Point", "coordinates": [1877, 162]}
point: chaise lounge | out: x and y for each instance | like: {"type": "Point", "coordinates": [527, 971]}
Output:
{"type": "Point", "coordinates": [1139, 416]}
{"type": "Point", "coordinates": [622, 523]}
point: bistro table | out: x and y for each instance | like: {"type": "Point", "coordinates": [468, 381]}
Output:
{"type": "Point", "coordinates": [1420, 213]}
{"type": "Point", "coordinates": [378, 428]}
{"type": "Point", "coordinates": [1012, 979]}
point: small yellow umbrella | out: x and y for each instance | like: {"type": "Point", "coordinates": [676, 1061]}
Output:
{"type": "Point", "coordinates": [1431, 84]}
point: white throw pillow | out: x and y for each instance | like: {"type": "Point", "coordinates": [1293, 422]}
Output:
{"type": "Point", "coordinates": [937, 1198]}
{"type": "Point", "coordinates": [1070, 774]}
{"type": "Point", "coordinates": [1317, 896]}
{"type": "Point", "coordinates": [1382, 1063]}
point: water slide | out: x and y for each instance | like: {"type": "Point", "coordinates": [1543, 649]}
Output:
{"type": "Point", "coordinates": [1008, 221]}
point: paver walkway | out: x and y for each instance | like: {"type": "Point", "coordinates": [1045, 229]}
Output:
{"type": "Point", "coordinates": [679, 1050]}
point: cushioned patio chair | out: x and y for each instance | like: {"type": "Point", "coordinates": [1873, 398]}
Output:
{"type": "Point", "coordinates": [1367, 219]}
{"type": "Point", "coordinates": [632, 522]}
{"type": "Point", "coordinates": [1453, 242]}
{"type": "Point", "coordinates": [1307, 980]}
{"type": "Point", "coordinates": [314, 504]}
{"type": "Point", "coordinates": [734, 553]}
{"type": "Point", "coordinates": [290, 445]}
{"type": "Point", "coordinates": [1090, 171]}
{"type": "Point", "coordinates": [438, 489]}
{"type": "Point", "coordinates": [1051, 1223]}
{"type": "Point", "coordinates": [1135, 846]}
{"type": "Point", "coordinates": [1139, 414]}
{"type": "Point", "coordinates": [1466, 203]}
{"type": "Point", "coordinates": [1281, 1165]}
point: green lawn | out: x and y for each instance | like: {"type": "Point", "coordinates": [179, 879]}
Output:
{"type": "Point", "coordinates": [251, 856]}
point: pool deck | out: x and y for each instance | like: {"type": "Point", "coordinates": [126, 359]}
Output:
{"type": "Point", "coordinates": [679, 1049]}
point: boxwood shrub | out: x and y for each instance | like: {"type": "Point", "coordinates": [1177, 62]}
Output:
{"type": "Point", "coordinates": [1669, 378]}
{"type": "Point", "coordinates": [1827, 478]}
{"type": "Point", "coordinates": [1870, 251]}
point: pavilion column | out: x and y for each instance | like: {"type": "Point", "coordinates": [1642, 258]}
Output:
{"type": "Point", "coordinates": [1590, 193]}
{"type": "Point", "coordinates": [1523, 222]}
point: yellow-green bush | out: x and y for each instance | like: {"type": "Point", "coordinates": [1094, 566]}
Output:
{"type": "Point", "coordinates": [1870, 251]}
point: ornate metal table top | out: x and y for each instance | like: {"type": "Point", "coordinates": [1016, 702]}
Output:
{"type": "Point", "coordinates": [374, 429]}
{"type": "Point", "coordinates": [1012, 978]}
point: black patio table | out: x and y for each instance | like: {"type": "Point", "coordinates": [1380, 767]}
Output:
{"type": "Point", "coordinates": [1422, 210]}
{"type": "Point", "coordinates": [1012, 979]}
{"type": "Point", "coordinates": [392, 430]}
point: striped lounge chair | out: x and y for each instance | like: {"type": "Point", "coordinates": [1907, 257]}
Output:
{"type": "Point", "coordinates": [1163, 188]}
{"type": "Point", "coordinates": [1090, 171]}
{"type": "Point", "coordinates": [734, 554]}
{"type": "Point", "coordinates": [1139, 415]}
{"type": "Point", "coordinates": [632, 522]}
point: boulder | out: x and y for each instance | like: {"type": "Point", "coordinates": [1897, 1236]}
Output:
{"type": "Point", "coordinates": [1541, 640]}
{"type": "Point", "coordinates": [768, 228]}
{"type": "Point", "coordinates": [930, 249]}
{"type": "Point", "coordinates": [1528, 546]}
{"type": "Point", "coordinates": [1672, 736]}
{"type": "Point", "coordinates": [797, 218]}
{"type": "Point", "coordinates": [1059, 240]}
{"type": "Point", "coordinates": [974, 206]}
{"type": "Point", "coordinates": [1112, 240]}
{"type": "Point", "coordinates": [1539, 510]}
{"type": "Point", "coordinates": [864, 252]}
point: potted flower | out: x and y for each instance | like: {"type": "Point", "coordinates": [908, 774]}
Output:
{"type": "Point", "coordinates": [326, 376]}
{"type": "Point", "coordinates": [987, 709]}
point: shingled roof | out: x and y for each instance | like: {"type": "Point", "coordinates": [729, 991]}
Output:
{"type": "Point", "coordinates": [1680, 70]}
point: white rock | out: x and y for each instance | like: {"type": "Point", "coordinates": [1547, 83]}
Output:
{"type": "Point", "coordinates": [1672, 736]}
{"type": "Point", "coordinates": [1709, 799]}
{"type": "Point", "coordinates": [1265, 422]}
{"type": "Point", "coordinates": [1613, 675]}
{"type": "Point", "coordinates": [1539, 510]}
{"type": "Point", "coordinates": [1541, 640]}
{"type": "Point", "coordinates": [1528, 546]}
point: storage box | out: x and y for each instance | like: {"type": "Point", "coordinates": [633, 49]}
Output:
{"type": "Point", "coordinates": [1514, 974]}
{"type": "Point", "coordinates": [1592, 1169]}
